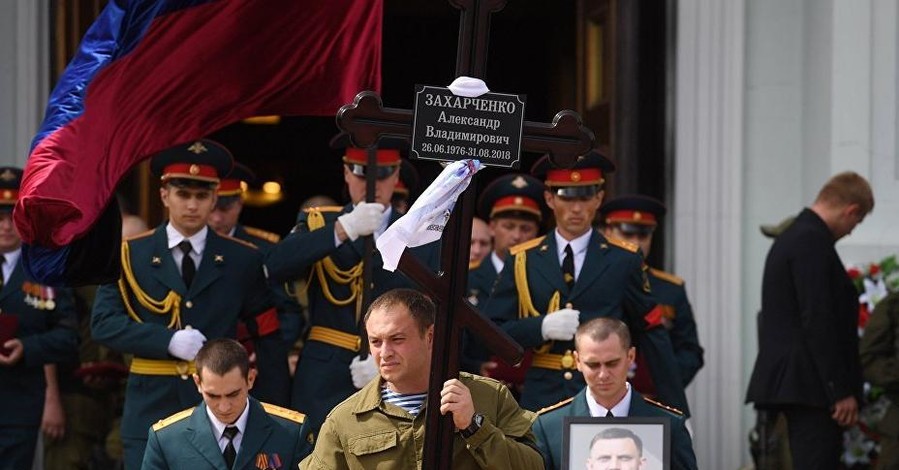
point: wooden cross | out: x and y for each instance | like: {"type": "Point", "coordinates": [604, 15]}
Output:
{"type": "Point", "coordinates": [566, 138]}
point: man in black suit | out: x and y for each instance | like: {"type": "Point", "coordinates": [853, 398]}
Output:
{"type": "Point", "coordinates": [808, 361]}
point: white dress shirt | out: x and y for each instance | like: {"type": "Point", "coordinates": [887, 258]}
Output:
{"type": "Point", "coordinates": [218, 428]}
{"type": "Point", "coordinates": [197, 241]}
{"type": "Point", "coordinates": [621, 409]}
{"type": "Point", "coordinates": [497, 263]}
{"type": "Point", "coordinates": [578, 246]}
{"type": "Point", "coordinates": [9, 263]}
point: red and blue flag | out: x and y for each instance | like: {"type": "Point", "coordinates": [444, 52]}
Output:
{"type": "Point", "coordinates": [150, 74]}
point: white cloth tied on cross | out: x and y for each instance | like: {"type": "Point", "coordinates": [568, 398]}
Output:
{"type": "Point", "coordinates": [426, 219]}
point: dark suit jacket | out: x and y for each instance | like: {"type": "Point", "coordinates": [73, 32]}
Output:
{"type": "Point", "coordinates": [611, 284]}
{"type": "Point", "coordinates": [48, 336]}
{"type": "Point", "coordinates": [808, 337]}
{"type": "Point", "coordinates": [322, 379]}
{"type": "Point", "coordinates": [190, 445]}
{"type": "Point", "coordinates": [229, 285]}
{"type": "Point", "coordinates": [549, 429]}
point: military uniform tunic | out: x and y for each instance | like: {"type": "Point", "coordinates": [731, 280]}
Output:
{"type": "Point", "coordinates": [549, 429]}
{"type": "Point", "coordinates": [48, 336]}
{"type": "Point", "coordinates": [611, 284]}
{"type": "Point", "coordinates": [229, 285]}
{"type": "Point", "coordinates": [184, 441]}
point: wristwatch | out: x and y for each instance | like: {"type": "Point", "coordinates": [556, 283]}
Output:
{"type": "Point", "coordinates": [476, 422]}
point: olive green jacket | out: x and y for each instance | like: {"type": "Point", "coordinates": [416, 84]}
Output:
{"type": "Point", "coordinates": [363, 432]}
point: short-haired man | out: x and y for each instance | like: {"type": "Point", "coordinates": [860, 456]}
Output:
{"type": "Point", "coordinates": [616, 449]}
{"type": "Point", "coordinates": [230, 429]}
{"type": "Point", "coordinates": [384, 423]}
{"type": "Point", "coordinates": [808, 361]}
{"type": "Point", "coordinates": [634, 219]}
{"type": "Point", "coordinates": [182, 284]}
{"type": "Point", "coordinates": [604, 355]}
{"type": "Point", "coordinates": [573, 274]}
{"type": "Point", "coordinates": [326, 248]}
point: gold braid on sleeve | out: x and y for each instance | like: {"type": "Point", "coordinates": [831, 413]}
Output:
{"type": "Point", "coordinates": [325, 269]}
{"type": "Point", "coordinates": [525, 305]}
{"type": "Point", "coordinates": [170, 304]}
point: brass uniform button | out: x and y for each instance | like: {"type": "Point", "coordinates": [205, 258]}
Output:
{"type": "Point", "coordinates": [189, 304]}
{"type": "Point", "coordinates": [568, 360]}
{"type": "Point", "coordinates": [568, 375]}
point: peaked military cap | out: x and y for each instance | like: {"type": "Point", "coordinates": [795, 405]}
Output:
{"type": "Point", "coordinates": [389, 154]}
{"type": "Point", "coordinates": [10, 180]}
{"type": "Point", "coordinates": [514, 195]}
{"type": "Point", "coordinates": [200, 160]}
{"type": "Point", "coordinates": [633, 214]}
{"type": "Point", "coordinates": [584, 178]}
{"type": "Point", "coordinates": [233, 184]}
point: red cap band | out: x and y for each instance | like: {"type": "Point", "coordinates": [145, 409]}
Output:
{"type": "Point", "coordinates": [631, 217]}
{"type": "Point", "coordinates": [574, 177]}
{"type": "Point", "coordinates": [515, 203]}
{"type": "Point", "coordinates": [191, 171]}
{"type": "Point", "coordinates": [230, 187]}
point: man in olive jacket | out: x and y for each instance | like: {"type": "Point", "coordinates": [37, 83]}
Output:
{"type": "Point", "coordinates": [383, 424]}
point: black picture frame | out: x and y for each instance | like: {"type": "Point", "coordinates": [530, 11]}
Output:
{"type": "Point", "coordinates": [654, 432]}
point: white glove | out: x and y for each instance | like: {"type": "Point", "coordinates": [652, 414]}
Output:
{"type": "Point", "coordinates": [363, 370]}
{"type": "Point", "coordinates": [364, 220]}
{"type": "Point", "coordinates": [561, 324]}
{"type": "Point", "coordinates": [185, 344]}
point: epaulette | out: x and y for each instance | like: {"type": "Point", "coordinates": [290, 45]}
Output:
{"type": "Point", "coordinates": [663, 406]}
{"type": "Point", "coordinates": [140, 235]}
{"type": "Point", "coordinates": [526, 245]}
{"type": "Point", "coordinates": [263, 234]}
{"type": "Point", "coordinates": [626, 245]}
{"type": "Point", "coordinates": [173, 419]}
{"type": "Point", "coordinates": [666, 276]}
{"type": "Point", "coordinates": [242, 242]}
{"type": "Point", "coordinates": [556, 406]}
{"type": "Point", "coordinates": [324, 209]}
{"type": "Point", "coordinates": [285, 413]}
{"type": "Point", "coordinates": [474, 264]}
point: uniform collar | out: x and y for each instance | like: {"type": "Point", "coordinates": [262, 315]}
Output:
{"type": "Point", "coordinates": [578, 245]}
{"type": "Point", "coordinates": [197, 241]}
{"type": "Point", "coordinates": [621, 409]}
{"type": "Point", "coordinates": [218, 427]}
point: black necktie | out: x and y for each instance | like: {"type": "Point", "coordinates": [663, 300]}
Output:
{"type": "Point", "coordinates": [229, 453]}
{"type": "Point", "coordinates": [609, 414]}
{"type": "Point", "coordinates": [188, 268]}
{"type": "Point", "coordinates": [2, 262]}
{"type": "Point", "coordinates": [568, 266]}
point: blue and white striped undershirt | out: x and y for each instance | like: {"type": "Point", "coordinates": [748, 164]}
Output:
{"type": "Point", "coordinates": [411, 402]}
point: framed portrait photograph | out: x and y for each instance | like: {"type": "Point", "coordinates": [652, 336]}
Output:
{"type": "Point", "coordinates": [632, 443]}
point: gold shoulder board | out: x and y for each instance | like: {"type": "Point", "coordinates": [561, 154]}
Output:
{"type": "Point", "coordinates": [140, 235]}
{"type": "Point", "coordinates": [263, 234]}
{"type": "Point", "coordinates": [324, 209]}
{"type": "Point", "coordinates": [632, 247]}
{"type": "Point", "coordinates": [557, 405]}
{"type": "Point", "coordinates": [474, 264]}
{"type": "Point", "coordinates": [242, 242]}
{"type": "Point", "coordinates": [285, 413]}
{"type": "Point", "coordinates": [667, 408]}
{"type": "Point", "coordinates": [666, 276]}
{"type": "Point", "coordinates": [172, 419]}
{"type": "Point", "coordinates": [526, 245]}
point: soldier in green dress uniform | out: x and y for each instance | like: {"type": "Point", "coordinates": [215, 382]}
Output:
{"type": "Point", "coordinates": [574, 274]}
{"type": "Point", "coordinates": [634, 219]}
{"type": "Point", "coordinates": [182, 284]}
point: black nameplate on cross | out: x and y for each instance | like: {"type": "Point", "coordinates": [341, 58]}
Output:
{"type": "Point", "coordinates": [564, 139]}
